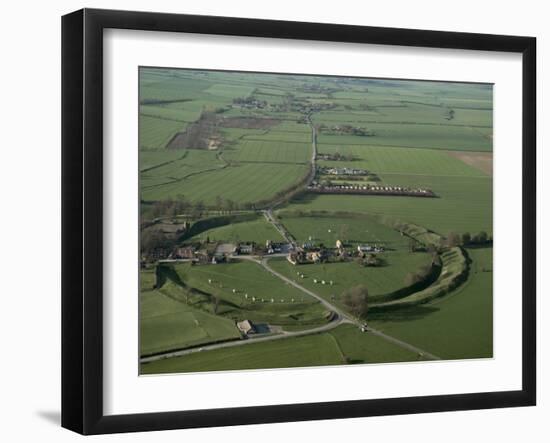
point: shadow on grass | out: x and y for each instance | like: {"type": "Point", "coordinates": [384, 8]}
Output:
{"type": "Point", "coordinates": [401, 315]}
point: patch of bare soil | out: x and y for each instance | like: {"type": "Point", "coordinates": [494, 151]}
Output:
{"type": "Point", "coordinates": [202, 134]}
{"type": "Point", "coordinates": [479, 160]}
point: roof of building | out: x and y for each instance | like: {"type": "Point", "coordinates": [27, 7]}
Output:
{"type": "Point", "coordinates": [245, 326]}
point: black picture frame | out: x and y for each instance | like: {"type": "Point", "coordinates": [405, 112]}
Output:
{"type": "Point", "coordinates": [82, 218]}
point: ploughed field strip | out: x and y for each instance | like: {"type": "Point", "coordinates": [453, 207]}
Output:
{"type": "Point", "coordinates": [272, 204]}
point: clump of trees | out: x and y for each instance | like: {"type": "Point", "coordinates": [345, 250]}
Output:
{"type": "Point", "coordinates": [170, 207]}
{"type": "Point", "coordinates": [337, 156]}
{"type": "Point", "coordinates": [371, 260]}
{"type": "Point", "coordinates": [465, 239]}
{"type": "Point", "coordinates": [153, 240]}
{"type": "Point", "coordinates": [356, 299]}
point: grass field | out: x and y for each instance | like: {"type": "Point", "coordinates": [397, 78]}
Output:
{"type": "Point", "coordinates": [345, 344]}
{"type": "Point", "coordinates": [460, 325]}
{"type": "Point", "coordinates": [350, 230]}
{"type": "Point", "coordinates": [378, 280]}
{"type": "Point", "coordinates": [315, 350]}
{"type": "Point", "coordinates": [464, 204]}
{"type": "Point", "coordinates": [393, 161]}
{"type": "Point", "coordinates": [268, 151]}
{"type": "Point", "coordinates": [258, 231]}
{"type": "Point", "coordinates": [155, 133]}
{"type": "Point", "coordinates": [255, 288]}
{"type": "Point", "coordinates": [416, 136]}
{"type": "Point", "coordinates": [243, 183]}
{"type": "Point", "coordinates": [167, 324]}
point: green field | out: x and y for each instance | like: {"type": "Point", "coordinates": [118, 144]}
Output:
{"type": "Point", "coordinates": [464, 204]}
{"type": "Point", "coordinates": [257, 231]}
{"type": "Point", "coordinates": [258, 296]}
{"type": "Point", "coordinates": [155, 133]}
{"type": "Point", "coordinates": [416, 136]}
{"type": "Point", "coordinates": [351, 230]}
{"type": "Point", "coordinates": [459, 325]}
{"type": "Point", "coordinates": [378, 280]}
{"type": "Point", "coordinates": [345, 344]}
{"type": "Point", "coordinates": [242, 183]}
{"type": "Point", "coordinates": [167, 324]}
{"type": "Point", "coordinates": [402, 161]}
{"type": "Point", "coordinates": [259, 150]}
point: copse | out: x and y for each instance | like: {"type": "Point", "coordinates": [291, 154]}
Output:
{"type": "Point", "coordinates": [356, 300]}
{"type": "Point", "coordinates": [453, 239]}
{"type": "Point", "coordinates": [481, 237]}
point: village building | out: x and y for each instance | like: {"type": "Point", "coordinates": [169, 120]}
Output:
{"type": "Point", "coordinates": [365, 248]}
{"type": "Point", "coordinates": [314, 256]}
{"type": "Point", "coordinates": [184, 252]}
{"type": "Point", "coordinates": [297, 257]}
{"type": "Point", "coordinates": [225, 249]}
{"type": "Point", "coordinates": [245, 248]}
{"type": "Point", "coordinates": [246, 327]}
{"type": "Point", "coordinates": [274, 248]}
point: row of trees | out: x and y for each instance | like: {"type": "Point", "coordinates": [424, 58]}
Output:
{"type": "Point", "coordinates": [180, 205]}
{"type": "Point", "coordinates": [465, 239]}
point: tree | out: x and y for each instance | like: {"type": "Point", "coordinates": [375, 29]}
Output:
{"type": "Point", "coordinates": [356, 300]}
{"type": "Point", "coordinates": [481, 237]}
{"type": "Point", "coordinates": [372, 260]}
{"type": "Point", "coordinates": [152, 239]}
{"type": "Point", "coordinates": [466, 238]}
{"type": "Point", "coordinates": [453, 239]}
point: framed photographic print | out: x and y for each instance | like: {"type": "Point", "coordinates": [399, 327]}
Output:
{"type": "Point", "coordinates": [270, 221]}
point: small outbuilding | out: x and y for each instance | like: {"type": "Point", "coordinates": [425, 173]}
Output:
{"type": "Point", "coordinates": [246, 327]}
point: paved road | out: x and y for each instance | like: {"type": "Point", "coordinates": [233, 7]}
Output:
{"type": "Point", "coordinates": [314, 149]}
{"type": "Point", "coordinates": [268, 213]}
